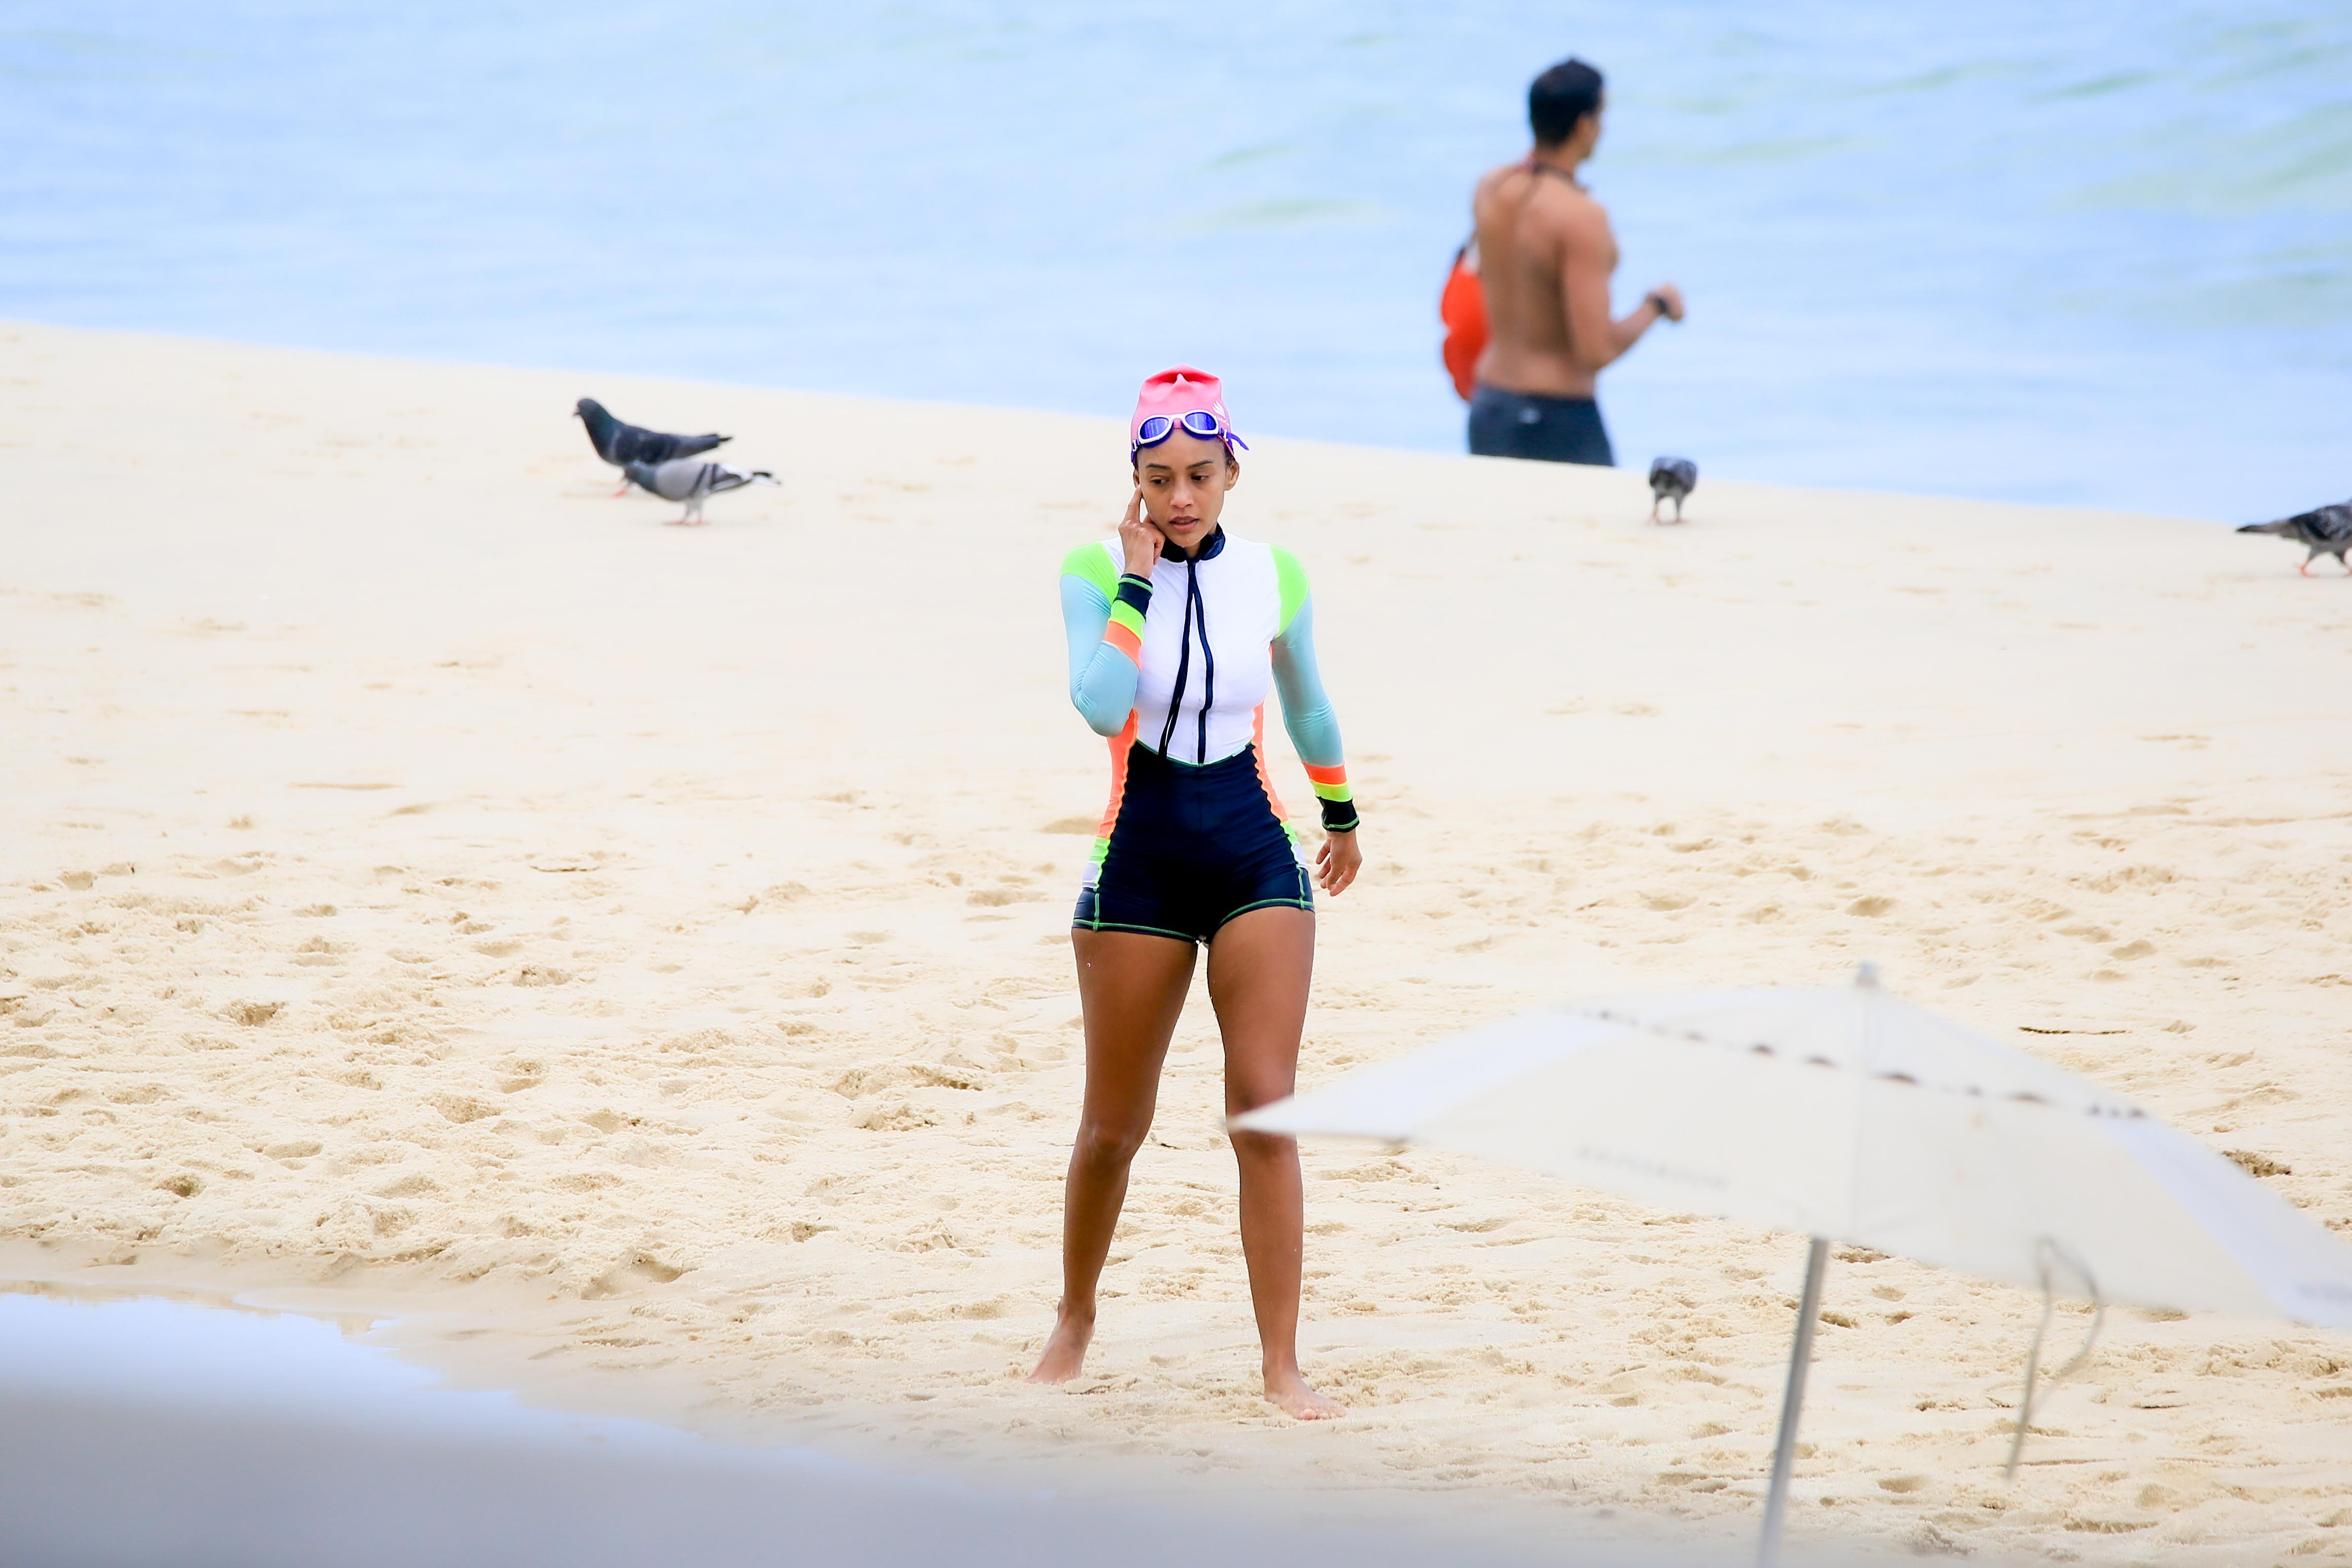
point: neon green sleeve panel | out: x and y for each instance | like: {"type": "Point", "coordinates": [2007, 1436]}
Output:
{"type": "Point", "coordinates": [1291, 578]}
{"type": "Point", "coordinates": [1092, 564]}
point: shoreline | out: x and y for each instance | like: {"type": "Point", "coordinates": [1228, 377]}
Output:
{"type": "Point", "coordinates": [436, 872]}
{"type": "Point", "coordinates": [880, 401]}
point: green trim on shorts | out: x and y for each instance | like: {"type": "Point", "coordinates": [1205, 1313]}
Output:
{"type": "Point", "coordinates": [1185, 937]}
{"type": "Point", "coordinates": [1307, 904]}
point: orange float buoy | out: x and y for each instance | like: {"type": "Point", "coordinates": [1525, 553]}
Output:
{"type": "Point", "coordinates": [1463, 308]}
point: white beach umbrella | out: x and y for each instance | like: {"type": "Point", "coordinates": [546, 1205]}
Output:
{"type": "Point", "coordinates": [1851, 1116]}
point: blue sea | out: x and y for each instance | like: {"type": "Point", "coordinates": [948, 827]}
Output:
{"type": "Point", "coordinates": [2094, 254]}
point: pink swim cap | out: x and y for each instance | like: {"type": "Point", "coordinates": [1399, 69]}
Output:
{"type": "Point", "coordinates": [1176, 393]}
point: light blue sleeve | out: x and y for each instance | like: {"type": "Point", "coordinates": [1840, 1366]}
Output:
{"type": "Point", "coordinates": [1102, 678]}
{"type": "Point", "coordinates": [1306, 710]}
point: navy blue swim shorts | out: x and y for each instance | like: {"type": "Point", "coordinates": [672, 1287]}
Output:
{"type": "Point", "coordinates": [1190, 848]}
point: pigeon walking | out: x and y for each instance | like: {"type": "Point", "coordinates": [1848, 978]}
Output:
{"type": "Point", "coordinates": [683, 480]}
{"type": "Point", "coordinates": [1673, 478]}
{"type": "Point", "coordinates": [621, 443]}
{"type": "Point", "coordinates": [2328, 532]}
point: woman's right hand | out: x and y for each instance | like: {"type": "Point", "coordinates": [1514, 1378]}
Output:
{"type": "Point", "coordinates": [1139, 538]}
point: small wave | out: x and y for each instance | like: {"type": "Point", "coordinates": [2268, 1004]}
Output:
{"type": "Point", "coordinates": [1285, 211]}
{"type": "Point", "coordinates": [1243, 157]}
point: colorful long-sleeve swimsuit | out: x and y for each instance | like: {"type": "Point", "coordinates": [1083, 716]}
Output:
{"type": "Point", "coordinates": [1175, 671]}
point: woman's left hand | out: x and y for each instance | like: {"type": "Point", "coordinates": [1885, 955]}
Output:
{"type": "Point", "coordinates": [1337, 863]}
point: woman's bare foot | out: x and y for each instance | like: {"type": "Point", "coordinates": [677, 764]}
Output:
{"type": "Point", "coordinates": [1298, 1398]}
{"type": "Point", "coordinates": [1065, 1348]}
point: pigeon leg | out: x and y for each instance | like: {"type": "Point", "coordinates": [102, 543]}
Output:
{"type": "Point", "coordinates": [2305, 567]}
{"type": "Point", "coordinates": [617, 494]}
{"type": "Point", "coordinates": [1678, 508]}
{"type": "Point", "coordinates": [1655, 502]}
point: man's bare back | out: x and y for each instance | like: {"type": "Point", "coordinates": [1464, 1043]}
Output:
{"type": "Point", "coordinates": [1546, 254]}
{"type": "Point", "coordinates": [1535, 228]}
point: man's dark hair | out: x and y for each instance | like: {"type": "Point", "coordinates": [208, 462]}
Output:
{"type": "Point", "coordinates": [1560, 97]}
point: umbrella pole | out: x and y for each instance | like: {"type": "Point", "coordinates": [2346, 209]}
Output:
{"type": "Point", "coordinates": [1801, 1355]}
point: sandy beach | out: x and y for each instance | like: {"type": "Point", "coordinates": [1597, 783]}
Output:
{"type": "Point", "coordinates": [640, 954]}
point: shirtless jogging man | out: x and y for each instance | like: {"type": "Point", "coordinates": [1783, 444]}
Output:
{"type": "Point", "coordinates": [1545, 256]}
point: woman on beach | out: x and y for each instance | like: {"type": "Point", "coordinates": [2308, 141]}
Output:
{"type": "Point", "coordinates": [1176, 631]}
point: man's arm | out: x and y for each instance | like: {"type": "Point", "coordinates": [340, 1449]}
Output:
{"type": "Point", "coordinates": [1588, 253]}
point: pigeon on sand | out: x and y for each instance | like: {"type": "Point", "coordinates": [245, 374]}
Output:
{"type": "Point", "coordinates": [2328, 532]}
{"type": "Point", "coordinates": [683, 480]}
{"type": "Point", "coordinates": [1671, 479]}
{"type": "Point", "coordinates": [621, 443]}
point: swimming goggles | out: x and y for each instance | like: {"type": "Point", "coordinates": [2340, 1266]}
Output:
{"type": "Point", "coordinates": [1199, 422]}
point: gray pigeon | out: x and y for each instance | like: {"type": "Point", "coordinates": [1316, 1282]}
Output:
{"type": "Point", "coordinates": [693, 482]}
{"type": "Point", "coordinates": [2328, 531]}
{"type": "Point", "coordinates": [1671, 477]}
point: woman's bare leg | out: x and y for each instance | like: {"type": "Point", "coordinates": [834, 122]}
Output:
{"type": "Point", "coordinates": [1131, 988]}
{"type": "Point", "coordinates": [1260, 967]}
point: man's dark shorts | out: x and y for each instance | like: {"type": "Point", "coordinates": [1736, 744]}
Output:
{"type": "Point", "coordinates": [1546, 429]}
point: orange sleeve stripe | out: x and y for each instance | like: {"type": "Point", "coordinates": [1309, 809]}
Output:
{"type": "Point", "coordinates": [1337, 776]}
{"type": "Point", "coordinates": [1125, 641]}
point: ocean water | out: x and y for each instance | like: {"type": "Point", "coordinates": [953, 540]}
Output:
{"type": "Point", "coordinates": [2094, 253]}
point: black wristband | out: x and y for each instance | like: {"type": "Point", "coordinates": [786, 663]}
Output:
{"type": "Point", "coordinates": [1339, 815]}
{"type": "Point", "coordinates": [1134, 590]}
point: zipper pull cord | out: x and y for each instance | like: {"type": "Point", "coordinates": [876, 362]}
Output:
{"type": "Point", "coordinates": [1183, 665]}
{"type": "Point", "coordinates": [1209, 676]}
